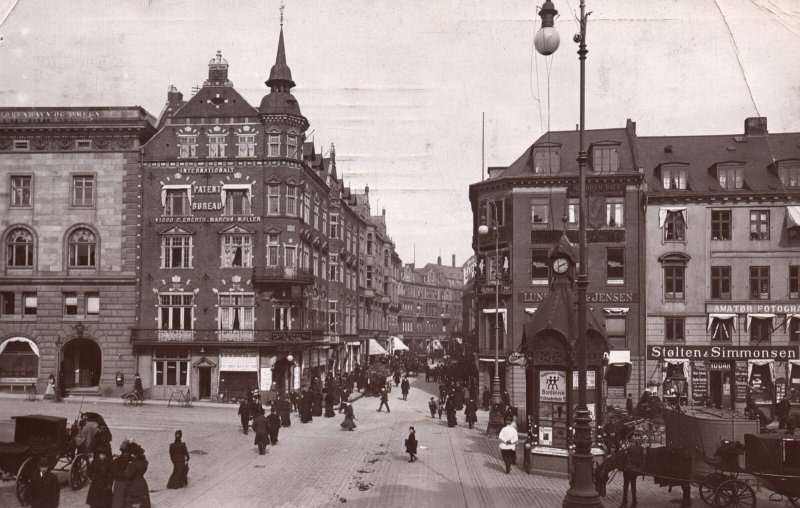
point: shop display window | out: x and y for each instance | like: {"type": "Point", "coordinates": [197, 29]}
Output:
{"type": "Point", "coordinates": [761, 384]}
{"type": "Point", "coordinates": [793, 390]}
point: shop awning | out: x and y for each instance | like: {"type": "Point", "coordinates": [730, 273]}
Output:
{"type": "Point", "coordinates": [793, 216]}
{"type": "Point", "coordinates": [721, 317]}
{"type": "Point", "coordinates": [682, 373]}
{"type": "Point", "coordinates": [616, 311]}
{"type": "Point", "coordinates": [618, 374]}
{"type": "Point", "coordinates": [32, 344]}
{"type": "Point", "coordinates": [761, 363]}
{"type": "Point", "coordinates": [788, 321]}
{"type": "Point", "coordinates": [397, 344]}
{"type": "Point", "coordinates": [619, 356]}
{"type": "Point", "coordinates": [750, 318]}
{"type": "Point", "coordinates": [666, 210]}
{"type": "Point", "coordinates": [376, 349]}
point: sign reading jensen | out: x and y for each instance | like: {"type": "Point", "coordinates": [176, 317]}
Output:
{"type": "Point", "coordinates": [730, 353]}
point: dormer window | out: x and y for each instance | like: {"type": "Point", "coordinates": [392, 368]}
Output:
{"type": "Point", "coordinates": [673, 178]}
{"type": "Point", "coordinates": [790, 174]}
{"type": "Point", "coordinates": [188, 147]}
{"type": "Point", "coordinates": [730, 177]}
{"type": "Point", "coordinates": [605, 159]}
{"type": "Point", "coordinates": [546, 160]}
{"type": "Point", "coordinates": [216, 145]}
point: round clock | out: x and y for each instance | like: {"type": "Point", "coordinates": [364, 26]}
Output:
{"type": "Point", "coordinates": [560, 265]}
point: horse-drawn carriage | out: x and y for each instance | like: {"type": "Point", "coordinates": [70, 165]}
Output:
{"type": "Point", "coordinates": [720, 477]}
{"type": "Point", "coordinates": [49, 437]}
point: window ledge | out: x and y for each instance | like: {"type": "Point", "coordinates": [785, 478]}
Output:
{"type": "Point", "coordinates": [615, 282]}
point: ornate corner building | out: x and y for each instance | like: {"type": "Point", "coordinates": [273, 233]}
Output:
{"type": "Point", "coordinates": [212, 249]}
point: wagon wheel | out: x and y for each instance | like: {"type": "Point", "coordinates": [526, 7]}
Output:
{"type": "Point", "coordinates": [710, 484]}
{"type": "Point", "coordinates": [734, 493]}
{"type": "Point", "coordinates": [131, 400]}
{"type": "Point", "coordinates": [79, 471]}
{"type": "Point", "coordinates": [24, 476]}
{"type": "Point", "coordinates": [794, 501]}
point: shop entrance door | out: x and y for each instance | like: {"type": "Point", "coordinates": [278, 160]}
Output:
{"type": "Point", "coordinates": [715, 387]}
{"type": "Point", "coordinates": [205, 383]}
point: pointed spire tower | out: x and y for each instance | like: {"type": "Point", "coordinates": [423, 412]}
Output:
{"type": "Point", "coordinates": [280, 106]}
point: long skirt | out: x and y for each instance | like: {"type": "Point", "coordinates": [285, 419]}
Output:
{"type": "Point", "coordinates": [120, 489]}
{"type": "Point", "coordinates": [451, 419]}
{"type": "Point", "coordinates": [286, 419]}
{"type": "Point", "coordinates": [180, 471]}
{"type": "Point", "coordinates": [329, 412]}
{"type": "Point", "coordinates": [348, 424]}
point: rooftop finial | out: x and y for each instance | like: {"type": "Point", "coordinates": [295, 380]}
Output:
{"type": "Point", "coordinates": [282, 7]}
{"type": "Point", "coordinates": [219, 56]}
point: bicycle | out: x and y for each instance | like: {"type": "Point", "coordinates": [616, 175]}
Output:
{"type": "Point", "coordinates": [180, 398]}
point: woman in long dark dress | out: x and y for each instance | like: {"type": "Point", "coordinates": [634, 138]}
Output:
{"type": "Point", "coordinates": [137, 494]}
{"type": "Point", "coordinates": [285, 412]}
{"type": "Point", "coordinates": [180, 463]}
{"type": "Point", "coordinates": [471, 412]}
{"type": "Point", "coordinates": [450, 409]}
{"type": "Point", "coordinates": [101, 474]}
{"type": "Point", "coordinates": [329, 400]}
{"type": "Point", "coordinates": [411, 444]}
{"type": "Point", "coordinates": [349, 418]}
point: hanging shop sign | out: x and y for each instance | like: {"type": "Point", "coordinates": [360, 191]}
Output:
{"type": "Point", "coordinates": [730, 353]}
{"type": "Point", "coordinates": [517, 358]}
{"type": "Point", "coordinates": [552, 386]}
{"type": "Point", "coordinates": [591, 297]}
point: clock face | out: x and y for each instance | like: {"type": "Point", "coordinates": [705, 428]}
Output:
{"type": "Point", "coordinates": [560, 265]}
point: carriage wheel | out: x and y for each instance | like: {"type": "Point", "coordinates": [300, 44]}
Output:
{"type": "Point", "coordinates": [131, 400]}
{"type": "Point", "coordinates": [24, 476]}
{"type": "Point", "coordinates": [734, 494]}
{"type": "Point", "coordinates": [79, 472]}
{"type": "Point", "coordinates": [710, 484]}
{"type": "Point", "coordinates": [794, 501]}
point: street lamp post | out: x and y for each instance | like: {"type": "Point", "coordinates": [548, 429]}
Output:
{"type": "Point", "coordinates": [582, 491]}
{"type": "Point", "coordinates": [57, 395]}
{"type": "Point", "coordinates": [483, 229]}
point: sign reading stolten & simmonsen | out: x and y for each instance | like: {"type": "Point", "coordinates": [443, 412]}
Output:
{"type": "Point", "coordinates": [722, 352]}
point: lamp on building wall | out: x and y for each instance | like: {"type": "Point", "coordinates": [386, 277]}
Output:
{"type": "Point", "coordinates": [483, 229]}
{"type": "Point", "coordinates": [582, 491]}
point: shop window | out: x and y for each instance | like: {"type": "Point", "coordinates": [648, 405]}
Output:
{"type": "Point", "coordinates": [19, 248]}
{"type": "Point", "coordinates": [70, 304]}
{"type": "Point", "coordinates": [18, 360]}
{"type": "Point", "coordinates": [760, 330]}
{"type": "Point", "coordinates": [759, 224]}
{"type": "Point", "coordinates": [171, 369]}
{"type": "Point", "coordinates": [722, 329]}
{"type": "Point", "coordinates": [759, 283]}
{"type": "Point", "coordinates": [21, 190]}
{"type": "Point", "coordinates": [762, 385]}
{"type": "Point", "coordinates": [720, 224]}
{"type": "Point", "coordinates": [721, 282]}
{"type": "Point", "coordinates": [674, 329]}
{"type": "Point", "coordinates": [615, 266]}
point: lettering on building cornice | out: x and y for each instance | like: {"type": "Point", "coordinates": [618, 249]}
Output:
{"type": "Point", "coordinates": [198, 220]}
{"type": "Point", "coordinates": [591, 297]}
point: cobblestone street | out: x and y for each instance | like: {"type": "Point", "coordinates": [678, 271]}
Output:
{"type": "Point", "coordinates": [317, 464]}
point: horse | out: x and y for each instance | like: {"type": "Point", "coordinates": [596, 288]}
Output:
{"type": "Point", "coordinates": [668, 466]}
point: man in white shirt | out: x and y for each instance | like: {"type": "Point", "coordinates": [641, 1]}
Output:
{"type": "Point", "coordinates": [508, 443]}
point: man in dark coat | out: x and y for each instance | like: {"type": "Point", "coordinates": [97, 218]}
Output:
{"type": "Point", "coordinates": [274, 423]}
{"type": "Point", "coordinates": [405, 386]}
{"type": "Point", "coordinates": [397, 378]}
{"type": "Point", "coordinates": [782, 410]}
{"type": "Point", "coordinates": [244, 415]}
{"type": "Point", "coordinates": [285, 412]}
{"type": "Point", "coordinates": [471, 412]}
{"type": "Point", "coordinates": [43, 487]}
{"type": "Point", "coordinates": [384, 400]}
{"type": "Point", "coordinates": [261, 428]}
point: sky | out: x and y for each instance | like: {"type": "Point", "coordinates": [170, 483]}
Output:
{"type": "Point", "coordinates": [401, 87]}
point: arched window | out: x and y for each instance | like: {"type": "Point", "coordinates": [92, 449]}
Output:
{"type": "Point", "coordinates": [19, 252]}
{"type": "Point", "coordinates": [19, 358]}
{"type": "Point", "coordinates": [82, 249]}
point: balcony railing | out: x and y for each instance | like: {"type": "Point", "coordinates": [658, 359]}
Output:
{"type": "Point", "coordinates": [369, 293]}
{"type": "Point", "coordinates": [266, 274]}
{"type": "Point", "coordinates": [142, 335]}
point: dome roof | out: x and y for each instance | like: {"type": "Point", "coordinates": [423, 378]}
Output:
{"type": "Point", "coordinates": [279, 103]}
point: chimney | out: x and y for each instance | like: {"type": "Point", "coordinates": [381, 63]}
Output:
{"type": "Point", "coordinates": [755, 126]}
{"type": "Point", "coordinates": [439, 260]}
{"type": "Point", "coordinates": [454, 260]}
{"type": "Point", "coordinates": [174, 97]}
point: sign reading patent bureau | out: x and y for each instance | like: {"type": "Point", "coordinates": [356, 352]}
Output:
{"type": "Point", "coordinates": [722, 353]}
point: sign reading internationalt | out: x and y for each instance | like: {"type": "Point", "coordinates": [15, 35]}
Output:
{"type": "Point", "coordinates": [719, 353]}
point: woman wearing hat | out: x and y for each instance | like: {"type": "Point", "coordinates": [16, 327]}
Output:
{"type": "Point", "coordinates": [411, 444]}
{"type": "Point", "coordinates": [100, 472]}
{"type": "Point", "coordinates": [180, 462]}
{"type": "Point", "coordinates": [43, 488]}
{"type": "Point", "coordinates": [137, 495]}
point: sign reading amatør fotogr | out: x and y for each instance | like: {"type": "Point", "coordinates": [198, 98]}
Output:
{"type": "Point", "coordinates": [730, 353]}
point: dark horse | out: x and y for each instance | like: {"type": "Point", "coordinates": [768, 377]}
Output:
{"type": "Point", "coordinates": [668, 466]}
